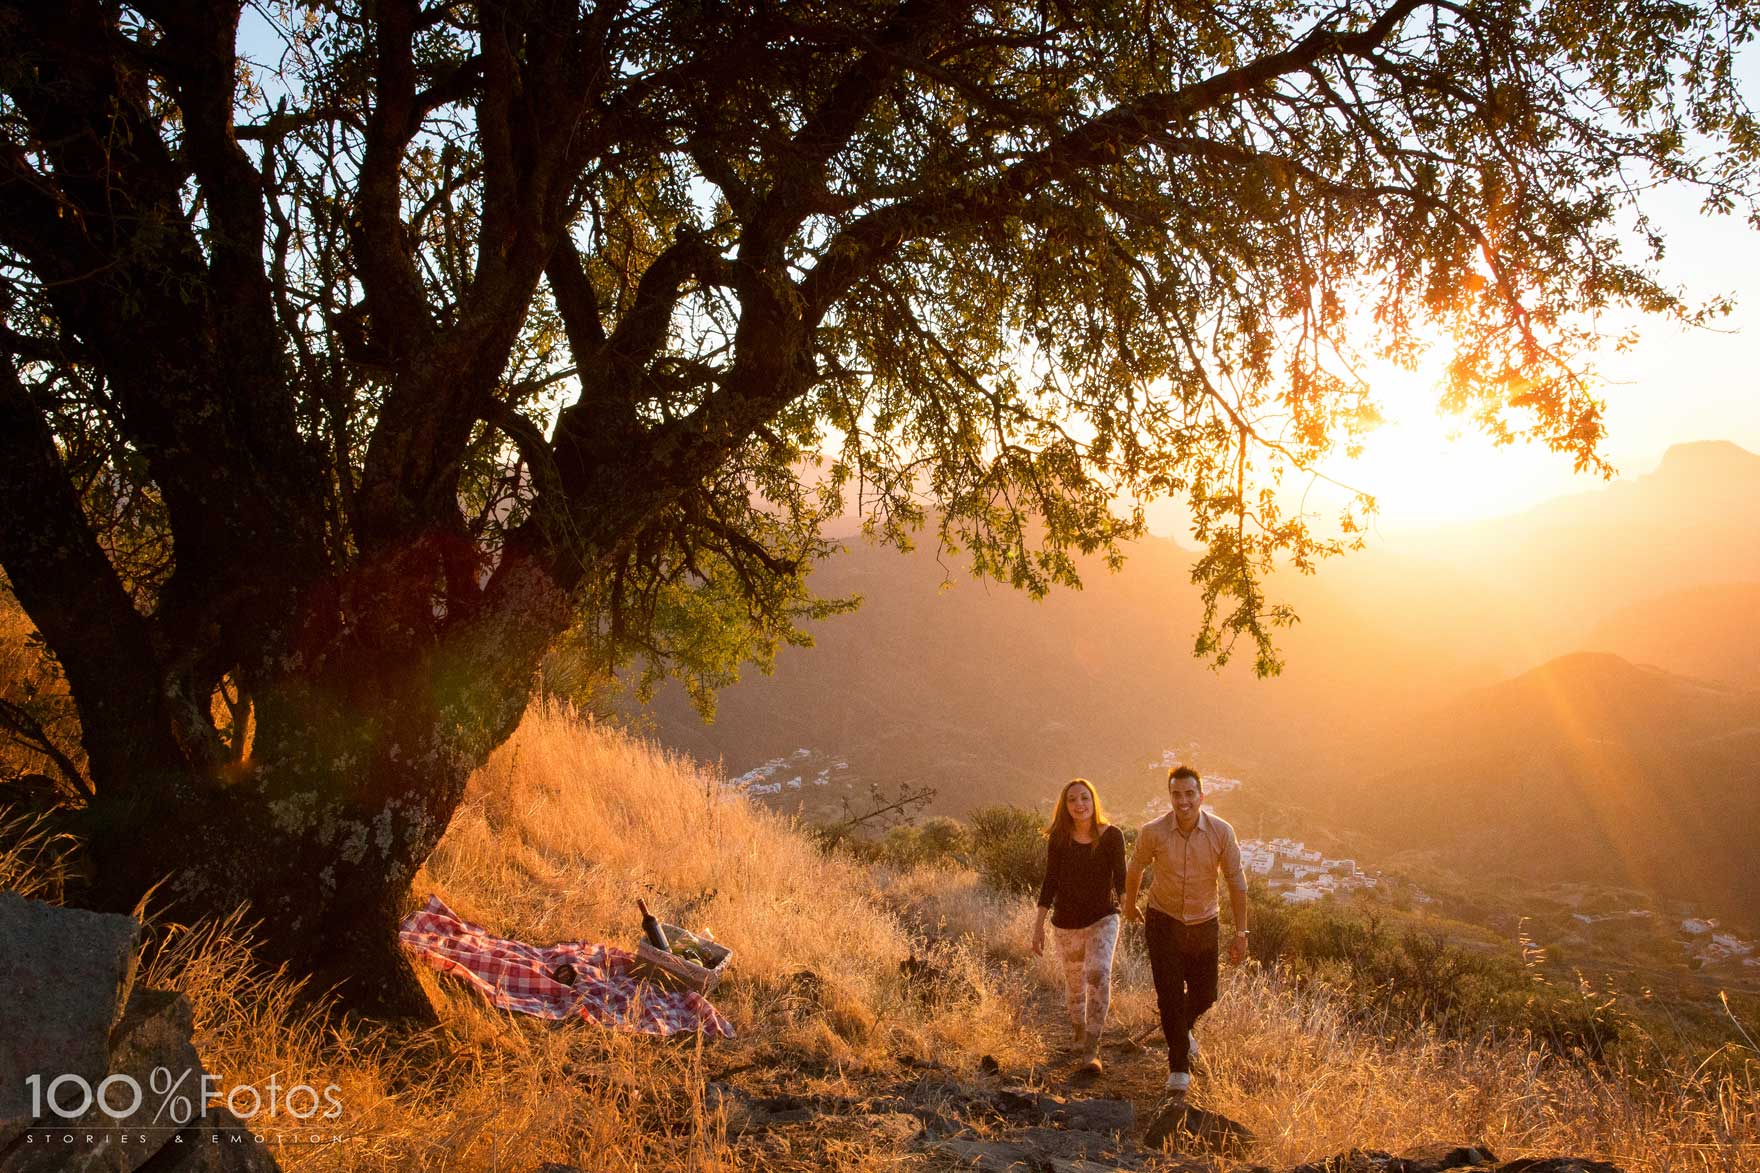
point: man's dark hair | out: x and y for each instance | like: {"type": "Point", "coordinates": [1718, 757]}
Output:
{"type": "Point", "coordinates": [1178, 772]}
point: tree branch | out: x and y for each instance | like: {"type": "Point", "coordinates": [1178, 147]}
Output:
{"type": "Point", "coordinates": [72, 594]}
{"type": "Point", "coordinates": [1097, 142]}
{"type": "Point", "coordinates": [29, 732]}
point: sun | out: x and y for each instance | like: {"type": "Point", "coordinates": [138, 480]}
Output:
{"type": "Point", "coordinates": [1428, 469]}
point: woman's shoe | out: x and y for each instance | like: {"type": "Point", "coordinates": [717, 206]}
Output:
{"type": "Point", "coordinates": [1090, 1056]}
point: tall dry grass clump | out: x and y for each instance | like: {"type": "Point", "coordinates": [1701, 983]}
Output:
{"type": "Point", "coordinates": [33, 854]}
{"type": "Point", "coordinates": [569, 824]}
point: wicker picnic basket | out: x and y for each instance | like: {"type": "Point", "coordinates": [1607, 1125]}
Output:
{"type": "Point", "coordinates": [673, 971]}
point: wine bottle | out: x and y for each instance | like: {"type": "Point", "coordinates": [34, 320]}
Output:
{"type": "Point", "coordinates": [651, 929]}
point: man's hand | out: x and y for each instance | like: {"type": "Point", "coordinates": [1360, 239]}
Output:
{"type": "Point", "coordinates": [1130, 912]}
{"type": "Point", "coordinates": [1237, 949]}
{"type": "Point", "coordinates": [1039, 939]}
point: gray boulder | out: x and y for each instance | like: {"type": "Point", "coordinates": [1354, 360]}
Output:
{"type": "Point", "coordinates": [70, 1012]}
{"type": "Point", "coordinates": [65, 977]}
{"type": "Point", "coordinates": [150, 1050]}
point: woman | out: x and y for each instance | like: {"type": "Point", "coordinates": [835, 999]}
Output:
{"type": "Point", "coordinates": [1084, 875]}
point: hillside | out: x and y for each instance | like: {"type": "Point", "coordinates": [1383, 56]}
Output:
{"type": "Point", "coordinates": [1588, 768]}
{"type": "Point", "coordinates": [1711, 632]}
{"type": "Point", "coordinates": [842, 1061]}
{"type": "Point", "coordinates": [982, 692]}
{"type": "Point", "coordinates": [1546, 577]}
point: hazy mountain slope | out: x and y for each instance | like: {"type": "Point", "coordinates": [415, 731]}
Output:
{"type": "Point", "coordinates": [1546, 577]}
{"type": "Point", "coordinates": [1709, 632]}
{"type": "Point", "coordinates": [981, 691]}
{"type": "Point", "coordinates": [1588, 767]}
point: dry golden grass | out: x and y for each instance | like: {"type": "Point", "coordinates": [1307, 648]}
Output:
{"type": "Point", "coordinates": [569, 823]}
{"type": "Point", "coordinates": [1293, 1064]}
{"type": "Point", "coordinates": [558, 835]}
{"type": "Point", "coordinates": [32, 855]}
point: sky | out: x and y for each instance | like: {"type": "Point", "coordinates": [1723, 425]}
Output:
{"type": "Point", "coordinates": [1674, 386]}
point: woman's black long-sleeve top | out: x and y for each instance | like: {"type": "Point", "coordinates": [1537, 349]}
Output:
{"type": "Point", "coordinates": [1083, 881]}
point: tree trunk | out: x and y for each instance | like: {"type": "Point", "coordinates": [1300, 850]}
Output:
{"type": "Point", "coordinates": [357, 767]}
{"type": "Point", "coordinates": [326, 885]}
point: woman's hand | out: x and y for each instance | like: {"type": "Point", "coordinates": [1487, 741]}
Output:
{"type": "Point", "coordinates": [1039, 939]}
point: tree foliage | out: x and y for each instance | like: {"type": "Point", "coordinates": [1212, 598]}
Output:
{"type": "Point", "coordinates": [350, 378]}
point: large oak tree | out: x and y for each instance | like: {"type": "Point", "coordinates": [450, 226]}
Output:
{"type": "Point", "coordinates": [348, 380]}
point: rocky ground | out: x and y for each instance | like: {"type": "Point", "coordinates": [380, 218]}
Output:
{"type": "Point", "coordinates": [781, 1113]}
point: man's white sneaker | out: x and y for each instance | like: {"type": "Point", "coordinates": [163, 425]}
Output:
{"type": "Point", "coordinates": [1178, 1081]}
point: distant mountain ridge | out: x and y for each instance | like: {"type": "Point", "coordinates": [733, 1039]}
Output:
{"type": "Point", "coordinates": [1703, 474]}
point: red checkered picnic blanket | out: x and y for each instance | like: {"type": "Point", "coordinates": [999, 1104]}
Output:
{"type": "Point", "coordinates": [516, 976]}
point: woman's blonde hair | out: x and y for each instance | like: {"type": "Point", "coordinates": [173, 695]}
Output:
{"type": "Point", "coordinates": [1062, 825]}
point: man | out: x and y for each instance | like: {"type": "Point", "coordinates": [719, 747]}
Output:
{"type": "Point", "coordinates": [1185, 848]}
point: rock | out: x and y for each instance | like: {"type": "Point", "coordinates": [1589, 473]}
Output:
{"type": "Point", "coordinates": [220, 1144]}
{"type": "Point", "coordinates": [999, 1156]}
{"type": "Point", "coordinates": [1442, 1158]}
{"type": "Point", "coordinates": [71, 1014]}
{"type": "Point", "coordinates": [895, 1128]}
{"type": "Point", "coordinates": [1015, 1105]}
{"type": "Point", "coordinates": [1447, 1158]}
{"type": "Point", "coordinates": [65, 977]}
{"type": "Point", "coordinates": [987, 1155]}
{"type": "Point", "coordinates": [1355, 1161]}
{"type": "Point", "coordinates": [1187, 1127]}
{"type": "Point", "coordinates": [1106, 1149]}
{"type": "Point", "coordinates": [1096, 1115]}
{"type": "Point", "coordinates": [989, 1066]}
{"type": "Point", "coordinates": [1041, 1147]}
{"type": "Point", "coordinates": [153, 1037]}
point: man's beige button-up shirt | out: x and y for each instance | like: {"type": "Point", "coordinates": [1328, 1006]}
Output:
{"type": "Point", "coordinates": [1184, 866]}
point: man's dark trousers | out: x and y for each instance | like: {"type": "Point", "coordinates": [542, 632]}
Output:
{"type": "Point", "coordinates": [1183, 960]}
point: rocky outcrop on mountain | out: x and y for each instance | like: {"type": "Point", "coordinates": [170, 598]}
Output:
{"type": "Point", "coordinates": [98, 1073]}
